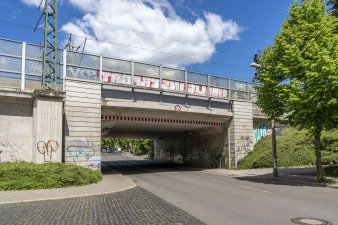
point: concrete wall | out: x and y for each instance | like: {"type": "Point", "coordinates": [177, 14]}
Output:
{"type": "Point", "coordinates": [16, 126]}
{"type": "Point", "coordinates": [241, 138]}
{"type": "Point", "coordinates": [82, 127]}
{"type": "Point", "coordinates": [202, 151]}
{"type": "Point", "coordinates": [47, 129]}
{"type": "Point", "coordinates": [30, 125]}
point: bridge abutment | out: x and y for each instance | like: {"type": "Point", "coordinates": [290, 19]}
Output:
{"type": "Point", "coordinates": [82, 123]}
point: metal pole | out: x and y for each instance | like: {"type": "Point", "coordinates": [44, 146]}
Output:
{"type": "Point", "coordinates": [186, 81]}
{"type": "Point", "coordinates": [101, 66]}
{"type": "Point", "coordinates": [161, 77]}
{"type": "Point", "coordinates": [248, 90]}
{"type": "Point", "coordinates": [274, 149]}
{"type": "Point", "coordinates": [64, 69]}
{"type": "Point", "coordinates": [208, 84]}
{"type": "Point", "coordinates": [23, 66]}
{"type": "Point", "coordinates": [229, 87]}
{"type": "Point", "coordinates": [132, 72]}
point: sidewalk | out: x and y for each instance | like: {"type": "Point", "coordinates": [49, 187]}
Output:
{"type": "Point", "coordinates": [111, 182]}
{"type": "Point", "coordinates": [296, 174]}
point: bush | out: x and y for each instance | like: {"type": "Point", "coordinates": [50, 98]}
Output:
{"type": "Point", "coordinates": [331, 171]}
{"type": "Point", "coordinates": [27, 176]}
{"type": "Point", "coordinates": [294, 148]}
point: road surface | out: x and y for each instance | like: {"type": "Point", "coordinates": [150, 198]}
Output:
{"type": "Point", "coordinates": [221, 199]}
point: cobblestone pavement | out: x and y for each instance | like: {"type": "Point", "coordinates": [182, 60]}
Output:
{"type": "Point", "coordinates": [133, 206]}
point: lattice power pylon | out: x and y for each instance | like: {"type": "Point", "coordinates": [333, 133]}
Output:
{"type": "Point", "coordinates": [49, 64]}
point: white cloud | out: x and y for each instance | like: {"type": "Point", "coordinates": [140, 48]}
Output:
{"type": "Point", "coordinates": [148, 27]}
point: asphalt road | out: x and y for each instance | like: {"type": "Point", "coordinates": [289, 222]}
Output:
{"type": "Point", "coordinates": [226, 200]}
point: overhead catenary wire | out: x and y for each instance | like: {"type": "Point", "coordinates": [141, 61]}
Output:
{"type": "Point", "coordinates": [129, 46]}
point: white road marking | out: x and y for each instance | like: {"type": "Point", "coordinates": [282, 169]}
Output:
{"type": "Point", "coordinates": [219, 181]}
{"type": "Point", "coordinates": [255, 189]}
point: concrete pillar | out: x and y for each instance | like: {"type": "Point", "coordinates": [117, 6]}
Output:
{"type": "Point", "coordinates": [241, 138]}
{"type": "Point", "coordinates": [82, 126]}
{"type": "Point", "coordinates": [47, 127]}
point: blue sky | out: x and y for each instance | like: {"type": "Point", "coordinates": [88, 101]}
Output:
{"type": "Point", "coordinates": [189, 30]}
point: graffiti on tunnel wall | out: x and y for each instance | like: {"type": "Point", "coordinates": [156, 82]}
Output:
{"type": "Point", "coordinates": [48, 150]}
{"type": "Point", "coordinates": [260, 130]}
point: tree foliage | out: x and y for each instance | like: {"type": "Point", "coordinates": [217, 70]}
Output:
{"type": "Point", "coordinates": [140, 146]}
{"type": "Point", "coordinates": [334, 7]}
{"type": "Point", "coordinates": [299, 73]}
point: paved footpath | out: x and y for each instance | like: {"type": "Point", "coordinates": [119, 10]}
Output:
{"type": "Point", "coordinates": [115, 200]}
{"type": "Point", "coordinates": [133, 206]}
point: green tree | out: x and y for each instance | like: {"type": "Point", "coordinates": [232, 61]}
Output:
{"type": "Point", "coordinates": [299, 72]}
{"type": "Point", "coordinates": [334, 8]}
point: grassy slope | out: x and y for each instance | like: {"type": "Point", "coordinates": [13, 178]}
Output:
{"type": "Point", "coordinates": [26, 176]}
{"type": "Point", "coordinates": [294, 148]}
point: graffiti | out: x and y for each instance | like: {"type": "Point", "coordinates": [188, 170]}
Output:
{"type": "Point", "coordinates": [80, 154]}
{"type": "Point", "coordinates": [261, 130]}
{"type": "Point", "coordinates": [10, 152]}
{"type": "Point", "coordinates": [48, 150]}
{"type": "Point", "coordinates": [116, 78]}
{"type": "Point", "coordinates": [146, 82]}
{"type": "Point", "coordinates": [204, 155]}
{"type": "Point", "coordinates": [178, 159]}
{"type": "Point", "coordinates": [149, 82]}
{"type": "Point", "coordinates": [94, 162]}
{"type": "Point", "coordinates": [173, 85]}
{"type": "Point", "coordinates": [243, 145]}
{"type": "Point", "coordinates": [83, 73]}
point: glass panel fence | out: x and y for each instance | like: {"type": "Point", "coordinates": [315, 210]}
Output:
{"type": "Point", "coordinates": [219, 82]}
{"type": "Point", "coordinates": [238, 85]}
{"type": "Point", "coordinates": [197, 78]}
{"type": "Point", "coordinates": [253, 97]}
{"type": "Point", "coordinates": [10, 64]}
{"type": "Point", "coordinates": [34, 67]}
{"type": "Point", "coordinates": [82, 73]}
{"type": "Point", "coordinates": [173, 85]}
{"type": "Point", "coordinates": [34, 52]}
{"type": "Point", "coordinates": [116, 78]}
{"type": "Point", "coordinates": [115, 65]}
{"type": "Point", "coordinates": [148, 82]}
{"type": "Point", "coordinates": [219, 92]}
{"type": "Point", "coordinates": [82, 59]}
{"type": "Point", "coordinates": [10, 48]}
{"type": "Point", "coordinates": [10, 79]}
{"type": "Point", "coordinates": [147, 70]}
{"type": "Point", "coordinates": [239, 95]}
{"type": "Point", "coordinates": [172, 74]}
{"type": "Point", "coordinates": [252, 87]}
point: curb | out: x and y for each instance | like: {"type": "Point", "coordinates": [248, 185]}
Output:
{"type": "Point", "coordinates": [73, 196]}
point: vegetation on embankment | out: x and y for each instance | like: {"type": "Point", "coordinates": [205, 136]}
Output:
{"type": "Point", "coordinates": [294, 148]}
{"type": "Point", "coordinates": [27, 176]}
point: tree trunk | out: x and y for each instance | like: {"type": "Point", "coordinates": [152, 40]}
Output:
{"type": "Point", "coordinates": [320, 176]}
{"type": "Point", "coordinates": [274, 149]}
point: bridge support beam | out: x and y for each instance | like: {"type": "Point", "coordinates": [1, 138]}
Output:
{"type": "Point", "coordinates": [47, 127]}
{"type": "Point", "coordinates": [82, 123]}
{"type": "Point", "coordinates": [240, 132]}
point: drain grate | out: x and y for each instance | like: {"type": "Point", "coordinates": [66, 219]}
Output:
{"type": "Point", "coordinates": [310, 221]}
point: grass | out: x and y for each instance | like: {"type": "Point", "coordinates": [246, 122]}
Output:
{"type": "Point", "coordinates": [28, 176]}
{"type": "Point", "coordinates": [294, 148]}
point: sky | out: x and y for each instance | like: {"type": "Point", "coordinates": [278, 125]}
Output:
{"type": "Point", "coordinates": [217, 37]}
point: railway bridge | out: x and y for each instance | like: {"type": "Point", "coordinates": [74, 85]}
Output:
{"type": "Point", "coordinates": [194, 118]}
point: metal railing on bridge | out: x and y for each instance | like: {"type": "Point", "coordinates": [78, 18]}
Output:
{"type": "Point", "coordinates": [21, 66]}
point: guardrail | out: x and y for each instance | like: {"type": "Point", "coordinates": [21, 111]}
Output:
{"type": "Point", "coordinates": [21, 66]}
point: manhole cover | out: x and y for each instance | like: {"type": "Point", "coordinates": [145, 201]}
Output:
{"type": "Point", "coordinates": [310, 221]}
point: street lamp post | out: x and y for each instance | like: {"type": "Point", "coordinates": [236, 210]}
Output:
{"type": "Point", "coordinates": [273, 134]}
